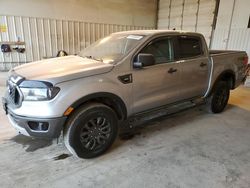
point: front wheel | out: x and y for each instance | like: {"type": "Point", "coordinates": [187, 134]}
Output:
{"type": "Point", "coordinates": [91, 130]}
{"type": "Point", "coordinates": [218, 99]}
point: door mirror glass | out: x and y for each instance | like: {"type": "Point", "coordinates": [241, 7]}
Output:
{"type": "Point", "coordinates": [144, 60]}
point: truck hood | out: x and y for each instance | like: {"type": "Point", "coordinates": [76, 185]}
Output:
{"type": "Point", "coordinates": [61, 69]}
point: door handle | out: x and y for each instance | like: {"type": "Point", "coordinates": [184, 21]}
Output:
{"type": "Point", "coordinates": [171, 70]}
{"type": "Point", "coordinates": [203, 64]}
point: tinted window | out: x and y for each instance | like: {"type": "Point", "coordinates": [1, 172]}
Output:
{"type": "Point", "coordinates": [189, 47]}
{"type": "Point", "coordinates": [161, 49]}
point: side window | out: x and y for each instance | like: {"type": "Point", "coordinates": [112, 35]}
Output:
{"type": "Point", "coordinates": [189, 47]}
{"type": "Point", "coordinates": [161, 49]}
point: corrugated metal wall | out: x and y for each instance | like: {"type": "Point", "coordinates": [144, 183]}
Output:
{"type": "Point", "coordinates": [232, 32]}
{"type": "Point", "coordinates": [43, 37]}
{"type": "Point", "coordinates": [239, 39]}
{"type": "Point", "coordinates": [190, 15]}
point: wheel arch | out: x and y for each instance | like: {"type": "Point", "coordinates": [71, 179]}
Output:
{"type": "Point", "coordinates": [228, 76]}
{"type": "Point", "coordinates": [109, 99]}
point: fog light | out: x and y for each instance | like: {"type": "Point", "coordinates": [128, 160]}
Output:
{"type": "Point", "coordinates": [38, 126]}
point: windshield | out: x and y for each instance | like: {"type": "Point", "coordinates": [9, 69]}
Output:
{"type": "Point", "coordinates": [111, 48]}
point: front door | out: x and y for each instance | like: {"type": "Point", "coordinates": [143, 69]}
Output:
{"type": "Point", "coordinates": [157, 85]}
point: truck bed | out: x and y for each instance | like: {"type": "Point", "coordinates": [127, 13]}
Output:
{"type": "Point", "coordinates": [228, 60]}
{"type": "Point", "coordinates": [220, 52]}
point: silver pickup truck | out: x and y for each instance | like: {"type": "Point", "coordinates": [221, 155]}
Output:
{"type": "Point", "coordinates": [116, 81]}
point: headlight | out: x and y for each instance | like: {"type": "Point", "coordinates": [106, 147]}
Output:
{"type": "Point", "coordinates": [38, 91]}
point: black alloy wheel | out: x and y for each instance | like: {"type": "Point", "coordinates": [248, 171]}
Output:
{"type": "Point", "coordinates": [91, 130]}
{"type": "Point", "coordinates": [95, 133]}
{"type": "Point", "coordinates": [218, 100]}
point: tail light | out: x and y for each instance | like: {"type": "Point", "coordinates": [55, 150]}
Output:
{"type": "Point", "coordinates": [245, 60]}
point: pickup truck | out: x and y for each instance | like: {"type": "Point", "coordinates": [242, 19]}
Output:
{"type": "Point", "coordinates": [88, 98]}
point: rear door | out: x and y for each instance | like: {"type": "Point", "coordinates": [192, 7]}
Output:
{"type": "Point", "coordinates": [159, 84]}
{"type": "Point", "coordinates": [194, 62]}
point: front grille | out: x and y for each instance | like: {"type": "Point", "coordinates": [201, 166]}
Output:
{"type": "Point", "coordinates": [13, 91]}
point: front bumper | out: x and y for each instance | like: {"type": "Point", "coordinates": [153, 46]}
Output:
{"type": "Point", "coordinates": [35, 127]}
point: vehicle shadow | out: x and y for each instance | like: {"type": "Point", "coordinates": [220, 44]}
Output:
{"type": "Point", "coordinates": [31, 144]}
{"type": "Point", "coordinates": [164, 123]}
{"type": "Point", "coordinates": [182, 115]}
{"type": "Point", "coordinates": [161, 123]}
{"type": "Point", "coordinates": [148, 128]}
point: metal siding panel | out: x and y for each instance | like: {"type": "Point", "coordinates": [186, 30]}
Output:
{"type": "Point", "coordinates": [44, 37]}
{"type": "Point", "coordinates": [1, 54]}
{"type": "Point", "coordinates": [163, 14]}
{"type": "Point", "coordinates": [71, 36]}
{"type": "Point", "coordinates": [44, 54]}
{"type": "Point", "coordinates": [40, 38]}
{"type": "Point", "coordinates": [30, 40]}
{"type": "Point", "coordinates": [24, 55]}
{"type": "Point", "coordinates": [56, 36]}
{"type": "Point", "coordinates": [8, 34]}
{"type": "Point", "coordinates": [190, 14]}
{"type": "Point", "coordinates": [83, 34]}
{"type": "Point", "coordinates": [47, 38]}
{"type": "Point", "coordinates": [61, 34]}
{"type": "Point", "coordinates": [78, 40]}
{"type": "Point", "coordinates": [88, 34]}
{"type": "Point", "coordinates": [50, 38]}
{"type": "Point", "coordinates": [32, 29]}
{"type": "Point", "coordinates": [37, 39]}
{"type": "Point", "coordinates": [219, 39]}
{"type": "Point", "coordinates": [239, 39]}
{"type": "Point", "coordinates": [93, 32]}
{"type": "Point", "coordinates": [176, 14]}
{"type": "Point", "coordinates": [15, 37]}
{"type": "Point", "coordinates": [67, 36]}
{"type": "Point", "coordinates": [2, 59]}
{"type": "Point", "coordinates": [236, 40]}
{"type": "Point", "coordinates": [196, 15]}
{"type": "Point", "coordinates": [205, 18]}
{"type": "Point", "coordinates": [20, 35]}
{"type": "Point", "coordinates": [102, 34]}
{"type": "Point", "coordinates": [28, 45]}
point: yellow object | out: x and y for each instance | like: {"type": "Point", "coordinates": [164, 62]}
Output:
{"type": "Point", "coordinates": [239, 98]}
{"type": "Point", "coordinates": [68, 111]}
{"type": "Point", "coordinates": [3, 28]}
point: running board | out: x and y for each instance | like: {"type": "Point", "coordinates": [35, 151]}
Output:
{"type": "Point", "coordinates": [147, 116]}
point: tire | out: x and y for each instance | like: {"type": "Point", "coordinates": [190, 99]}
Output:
{"type": "Point", "coordinates": [218, 99]}
{"type": "Point", "coordinates": [91, 130]}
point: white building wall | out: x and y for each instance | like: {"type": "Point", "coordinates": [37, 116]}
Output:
{"type": "Point", "coordinates": [231, 32]}
{"type": "Point", "coordinates": [189, 15]}
{"type": "Point", "coordinates": [46, 26]}
{"type": "Point", "coordinates": [123, 12]}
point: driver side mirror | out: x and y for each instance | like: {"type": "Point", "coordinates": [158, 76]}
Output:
{"type": "Point", "coordinates": [144, 60]}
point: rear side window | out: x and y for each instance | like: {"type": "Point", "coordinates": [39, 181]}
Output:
{"type": "Point", "coordinates": [161, 49]}
{"type": "Point", "coordinates": [189, 47]}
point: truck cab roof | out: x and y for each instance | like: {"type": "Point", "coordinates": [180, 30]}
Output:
{"type": "Point", "coordinates": [155, 32]}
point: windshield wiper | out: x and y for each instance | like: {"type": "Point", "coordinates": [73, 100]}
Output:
{"type": "Point", "coordinates": [92, 57]}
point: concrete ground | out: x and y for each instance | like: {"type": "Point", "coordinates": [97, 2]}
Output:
{"type": "Point", "coordinates": [191, 149]}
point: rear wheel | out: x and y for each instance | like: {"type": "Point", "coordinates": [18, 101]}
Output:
{"type": "Point", "coordinates": [91, 130]}
{"type": "Point", "coordinates": [218, 100]}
